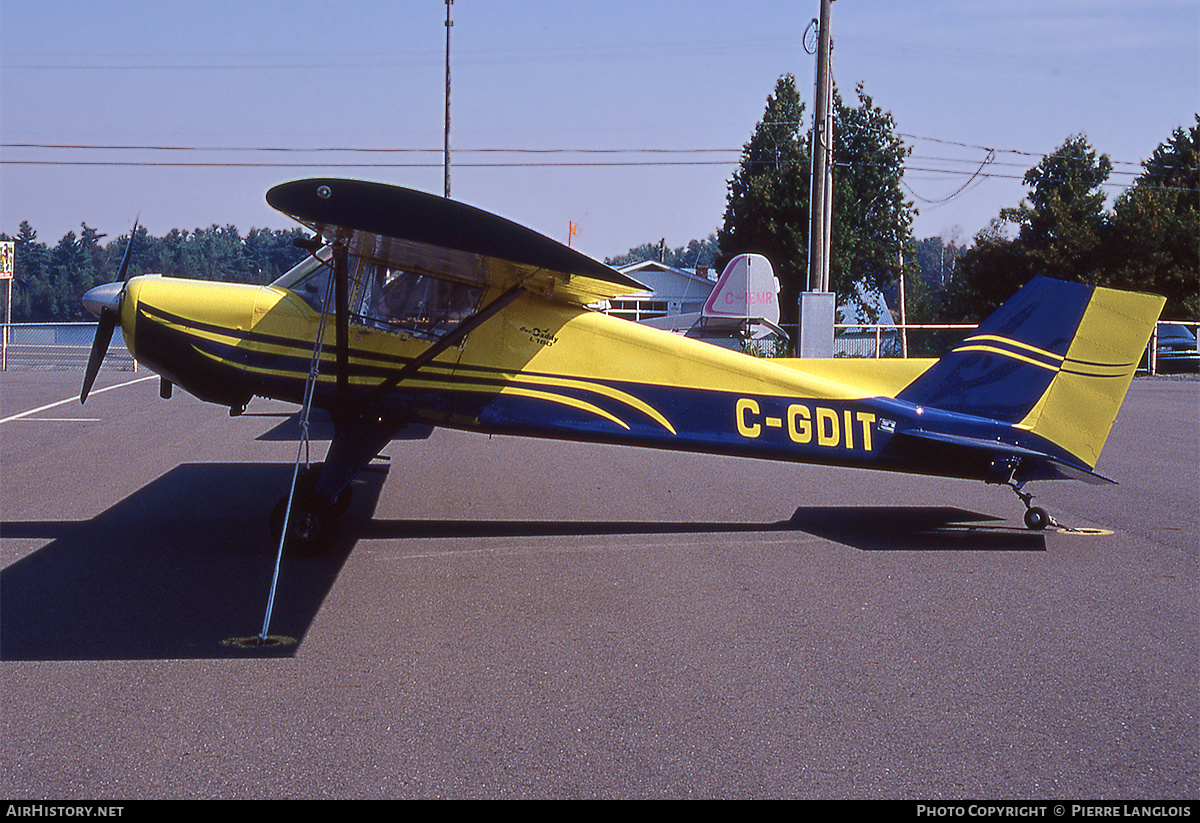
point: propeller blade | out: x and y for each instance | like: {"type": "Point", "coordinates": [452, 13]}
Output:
{"type": "Point", "coordinates": [101, 297]}
{"type": "Point", "coordinates": [123, 274]}
{"type": "Point", "coordinates": [104, 333]}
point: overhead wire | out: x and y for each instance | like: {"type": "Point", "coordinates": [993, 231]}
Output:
{"type": "Point", "coordinates": [650, 157]}
{"type": "Point", "coordinates": [991, 156]}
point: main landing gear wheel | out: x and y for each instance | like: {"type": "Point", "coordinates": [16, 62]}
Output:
{"type": "Point", "coordinates": [315, 519]}
{"type": "Point", "coordinates": [312, 526]}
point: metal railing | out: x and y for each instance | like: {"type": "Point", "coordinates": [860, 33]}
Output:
{"type": "Point", "coordinates": [879, 340]}
{"type": "Point", "coordinates": [66, 346]}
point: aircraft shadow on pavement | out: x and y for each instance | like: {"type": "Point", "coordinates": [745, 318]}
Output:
{"type": "Point", "coordinates": [869, 528]}
{"type": "Point", "coordinates": [176, 570]}
{"type": "Point", "coordinates": [183, 566]}
{"type": "Point", "coordinates": [866, 528]}
{"type": "Point", "coordinates": [899, 528]}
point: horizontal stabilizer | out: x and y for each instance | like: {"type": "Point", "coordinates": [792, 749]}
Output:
{"type": "Point", "coordinates": [1067, 470]}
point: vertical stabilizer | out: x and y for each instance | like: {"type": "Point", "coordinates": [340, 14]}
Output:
{"type": "Point", "coordinates": [1056, 360]}
{"type": "Point", "coordinates": [1078, 410]}
{"type": "Point", "coordinates": [747, 289]}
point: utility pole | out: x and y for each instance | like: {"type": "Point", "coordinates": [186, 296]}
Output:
{"type": "Point", "coordinates": [817, 305]}
{"type": "Point", "coordinates": [821, 206]}
{"type": "Point", "coordinates": [446, 148]}
{"type": "Point", "coordinates": [903, 310]}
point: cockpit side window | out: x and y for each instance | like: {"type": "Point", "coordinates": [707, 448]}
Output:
{"type": "Point", "coordinates": [403, 301]}
{"type": "Point", "coordinates": [386, 298]}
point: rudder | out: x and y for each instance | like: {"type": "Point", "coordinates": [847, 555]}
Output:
{"type": "Point", "coordinates": [1077, 411]}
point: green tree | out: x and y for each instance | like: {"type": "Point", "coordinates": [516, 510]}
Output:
{"type": "Point", "coordinates": [987, 274]}
{"type": "Point", "coordinates": [31, 265]}
{"type": "Point", "coordinates": [871, 218]}
{"type": "Point", "coordinates": [49, 282]}
{"type": "Point", "coordinates": [1060, 231]}
{"type": "Point", "coordinates": [696, 254]}
{"type": "Point", "coordinates": [141, 257]}
{"type": "Point", "coordinates": [767, 206]}
{"type": "Point", "coordinates": [271, 253]}
{"type": "Point", "coordinates": [1153, 242]}
{"type": "Point", "coordinates": [71, 272]}
{"type": "Point", "coordinates": [929, 265]}
{"type": "Point", "coordinates": [1062, 224]}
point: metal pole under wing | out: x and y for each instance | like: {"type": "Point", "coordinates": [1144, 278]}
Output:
{"type": "Point", "coordinates": [341, 275]}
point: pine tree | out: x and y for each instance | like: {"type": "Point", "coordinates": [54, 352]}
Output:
{"type": "Point", "coordinates": [767, 202]}
{"type": "Point", "coordinates": [767, 207]}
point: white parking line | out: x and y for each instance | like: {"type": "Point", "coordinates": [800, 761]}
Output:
{"type": "Point", "coordinates": [69, 399]}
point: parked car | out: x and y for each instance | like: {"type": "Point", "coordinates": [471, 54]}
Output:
{"type": "Point", "coordinates": [1176, 350]}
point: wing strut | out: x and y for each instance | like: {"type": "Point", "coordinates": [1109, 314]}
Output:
{"type": "Point", "coordinates": [447, 341]}
{"type": "Point", "coordinates": [310, 384]}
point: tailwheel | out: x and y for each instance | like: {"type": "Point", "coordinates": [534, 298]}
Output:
{"type": "Point", "coordinates": [1036, 518]}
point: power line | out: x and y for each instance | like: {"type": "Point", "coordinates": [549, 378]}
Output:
{"type": "Point", "coordinates": [109, 147]}
{"type": "Point", "coordinates": [500, 150]}
{"type": "Point", "coordinates": [233, 165]}
{"type": "Point", "coordinates": [991, 156]}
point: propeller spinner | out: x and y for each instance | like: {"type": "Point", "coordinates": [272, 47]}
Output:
{"type": "Point", "coordinates": [104, 301]}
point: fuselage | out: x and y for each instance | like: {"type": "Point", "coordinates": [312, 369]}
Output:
{"type": "Point", "coordinates": [547, 369]}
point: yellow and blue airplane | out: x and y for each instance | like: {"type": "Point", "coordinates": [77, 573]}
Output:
{"type": "Point", "coordinates": [414, 311]}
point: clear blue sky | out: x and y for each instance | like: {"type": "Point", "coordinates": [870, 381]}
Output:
{"type": "Point", "coordinates": [959, 77]}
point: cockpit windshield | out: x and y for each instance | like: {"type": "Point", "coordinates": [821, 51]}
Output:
{"type": "Point", "coordinates": [310, 278]}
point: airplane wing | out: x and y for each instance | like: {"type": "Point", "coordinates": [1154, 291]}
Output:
{"type": "Point", "coordinates": [442, 238]}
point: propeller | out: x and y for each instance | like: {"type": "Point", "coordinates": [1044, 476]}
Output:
{"type": "Point", "coordinates": [104, 301]}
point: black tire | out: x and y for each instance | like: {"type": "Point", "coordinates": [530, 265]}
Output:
{"type": "Point", "coordinates": [1036, 518]}
{"type": "Point", "coordinates": [312, 526]}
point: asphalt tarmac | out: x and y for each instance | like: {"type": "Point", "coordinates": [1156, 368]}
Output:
{"type": "Point", "coordinates": [509, 618]}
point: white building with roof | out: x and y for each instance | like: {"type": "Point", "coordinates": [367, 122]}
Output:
{"type": "Point", "coordinates": [682, 301]}
{"type": "Point", "coordinates": [669, 291]}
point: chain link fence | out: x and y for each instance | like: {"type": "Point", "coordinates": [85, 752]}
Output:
{"type": "Point", "coordinates": [58, 347]}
